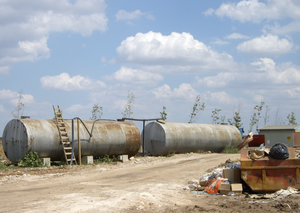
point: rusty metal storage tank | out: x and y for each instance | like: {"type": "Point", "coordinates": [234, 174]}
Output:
{"type": "Point", "coordinates": [21, 136]}
{"type": "Point", "coordinates": [162, 138]}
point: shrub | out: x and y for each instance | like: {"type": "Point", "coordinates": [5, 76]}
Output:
{"type": "Point", "coordinates": [32, 159]}
{"type": "Point", "coordinates": [170, 154]}
{"type": "Point", "coordinates": [230, 150]}
{"type": "Point", "coordinates": [2, 165]}
{"type": "Point", "coordinates": [106, 159]}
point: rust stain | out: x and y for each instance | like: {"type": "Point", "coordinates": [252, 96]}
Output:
{"type": "Point", "coordinates": [133, 138]}
{"type": "Point", "coordinates": [267, 175]}
{"type": "Point", "coordinates": [109, 137]}
{"type": "Point", "coordinates": [31, 140]}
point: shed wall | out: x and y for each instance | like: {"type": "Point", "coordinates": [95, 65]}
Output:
{"type": "Point", "coordinates": [274, 136]}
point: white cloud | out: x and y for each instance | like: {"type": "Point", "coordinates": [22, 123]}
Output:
{"type": "Point", "coordinates": [126, 16]}
{"type": "Point", "coordinates": [208, 12]}
{"type": "Point", "coordinates": [7, 94]}
{"type": "Point", "coordinates": [286, 74]}
{"type": "Point", "coordinates": [263, 74]}
{"type": "Point", "coordinates": [219, 41]}
{"type": "Point", "coordinates": [4, 70]}
{"type": "Point", "coordinates": [255, 11]}
{"type": "Point", "coordinates": [282, 30]}
{"type": "Point", "coordinates": [264, 80]}
{"type": "Point", "coordinates": [35, 49]}
{"type": "Point", "coordinates": [2, 108]}
{"type": "Point", "coordinates": [26, 99]}
{"type": "Point", "coordinates": [131, 76]}
{"type": "Point", "coordinates": [293, 93]}
{"type": "Point", "coordinates": [179, 51]}
{"type": "Point", "coordinates": [258, 98]}
{"type": "Point", "coordinates": [66, 83]}
{"type": "Point", "coordinates": [219, 98]}
{"type": "Point", "coordinates": [119, 104]}
{"type": "Point", "coordinates": [162, 92]}
{"type": "Point", "coordinates": [266, 45]}
{"type": "Point", "coordinates": [184, 91]}
{"type": "Point", "coordinates": [13, 97]}
{"type": "Point", "coordinates": [26, 26]}
{"type": "Point", "coordinates": [219, 81]}
{"type": "Point", "coordinates": [77, 108]}
{"type": "Point", "coordinates": [264, 64]}
{"type": "Point", "coordinates": [84, 24]}
{"type": "Point", "coordinates": [237, 36]}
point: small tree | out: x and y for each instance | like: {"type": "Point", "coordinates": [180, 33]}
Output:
{"type": "Point", "coordinates": [278, 120]}
{"type": "Point", "coordinates": [266, 116]}
{"type": "Point", "coordinates": [223, 118]}
{"type": "Point", "coordinates": [97, 112]}
{"type": "Point", "coordinates": [256, 116]}
{"type": "Point", "coordinates": [129, 105]}
{"type": "Point", "coordinates": [18, 112]}
{"type": "Point", "coordinates": [291, 119]}
{"type": "Point", "coordinates": [196, 110]}
{"type": "Point", "coordinates": [236, 120]}
{"type": "Point", "coordinates": [163, 114]}
{"type": "Point", "coordinates": [215, 116]}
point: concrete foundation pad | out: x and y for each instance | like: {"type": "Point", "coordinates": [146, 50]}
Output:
{"type": "Point", "coordinates": [87, 160]}
{"type": "Point", "coordinates": [123, 158]}
{"type": "Point", "coordinates": [46, 161]}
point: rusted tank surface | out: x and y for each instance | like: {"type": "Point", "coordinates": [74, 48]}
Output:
{"type": "Point", "coordinates": [167, 137]}
{"type": "Point", "coordinates": [21, 136]}
{"type": "Point", "coordinates": [269, 175]}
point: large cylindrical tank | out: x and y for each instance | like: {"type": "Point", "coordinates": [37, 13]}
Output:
{"type": "Point", "coordinates": [21, 136]}
{"type": "Point", "coordinates": [164, 138]}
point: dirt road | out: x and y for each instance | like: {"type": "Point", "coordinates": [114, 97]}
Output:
{"type": "Point", "coordinates": [150, 184]}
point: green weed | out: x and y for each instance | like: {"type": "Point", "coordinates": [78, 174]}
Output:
{"type": "Point", "coordinates": [3, 166]}
{"type": "Point", "coordinates": [170, 154]}
{"type": "Point", "coordinates": [32, 159]}
{"type": "Point", "coordinates": [230, 150]}
{"type": "Point", "coordinates": [106, 159]}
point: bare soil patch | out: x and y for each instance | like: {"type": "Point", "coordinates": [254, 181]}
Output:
{"type": "Point", "coordinates": [144, 184]}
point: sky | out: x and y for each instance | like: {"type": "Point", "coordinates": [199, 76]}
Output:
{"type": "Point", "coordinates": [234, 54]}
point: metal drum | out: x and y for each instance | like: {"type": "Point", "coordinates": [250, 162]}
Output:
{"type": "Point", "coordinates": [21, 136]}
{"type": "Point", "coordinates": [164, 138]}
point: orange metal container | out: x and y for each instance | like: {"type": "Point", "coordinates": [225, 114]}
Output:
{"type": "Point", "coordinates": [269, 175]}
{"type": "Point", "coordinates": [257, 141]}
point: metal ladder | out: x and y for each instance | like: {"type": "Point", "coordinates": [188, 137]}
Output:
{"type": "Point", "coordinates": [64, 138]}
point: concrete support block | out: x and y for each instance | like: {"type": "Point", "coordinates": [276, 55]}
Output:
{"type": "Point", "coordinates": [87, 160]}
{"type": "Point", "coordinates": [123, 158]}
{"type": "Point", "coordinates": [46, 161]}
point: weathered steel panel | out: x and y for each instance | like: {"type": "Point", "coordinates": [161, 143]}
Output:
{"type": "Point", "coordinates": [21, 136]}
{"type": "Point", "coordinates": [165, 138]}
{"type": "Point", "coordinates": [296, 139]}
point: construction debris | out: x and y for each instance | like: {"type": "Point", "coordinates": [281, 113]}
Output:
{"type": "Point", "coordinates": [228, 181]}
{"type": "Point", "coordinates": [246, 140]}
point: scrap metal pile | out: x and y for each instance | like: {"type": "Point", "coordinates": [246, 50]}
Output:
{"type": "Point", "coordinates": [261, 170]}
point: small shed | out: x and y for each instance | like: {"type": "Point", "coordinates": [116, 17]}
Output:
{"type": "Point", "coordinates": [287, 134]}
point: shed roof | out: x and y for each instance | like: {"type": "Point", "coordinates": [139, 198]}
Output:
{"type": "Point", "coordinates": [280, 127]}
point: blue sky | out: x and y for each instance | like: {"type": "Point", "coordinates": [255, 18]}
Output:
{"type": "Point", "coordinates": [234, 54]}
